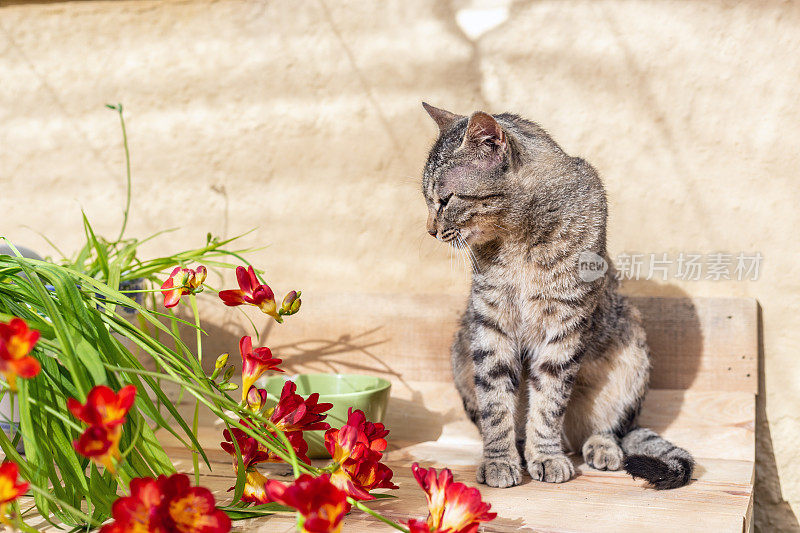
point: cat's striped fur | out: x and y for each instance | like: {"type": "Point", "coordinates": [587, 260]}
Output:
{"type": "Point", "coordinates": [543, 359]}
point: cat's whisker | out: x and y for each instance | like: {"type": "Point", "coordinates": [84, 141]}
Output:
{"type": "Point", "coordinates": [468, 258]}
{"type": "Point", "coordinates": [468, 251]}
{"type": "Point", "coordinates": [468, 271]}
{"type": "Point", "coordinates": [451, 260]}
{"type": "Point", "coordinates": [472, 255]}
{"type": "Point", "coordinates": [460, 253]}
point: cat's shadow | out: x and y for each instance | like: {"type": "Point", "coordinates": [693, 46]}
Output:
{"type": "Point", "coordinates": [675, 339]}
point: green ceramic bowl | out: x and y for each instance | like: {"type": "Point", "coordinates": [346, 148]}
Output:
{"type": "Point", "coordinates": [368, 393]}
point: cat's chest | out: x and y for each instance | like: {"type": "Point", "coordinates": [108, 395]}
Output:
{"type": "Point", "coordinates": [528, 310]}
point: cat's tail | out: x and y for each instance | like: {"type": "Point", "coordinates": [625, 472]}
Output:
{"type": "Point", "coordinates": [655, 459]}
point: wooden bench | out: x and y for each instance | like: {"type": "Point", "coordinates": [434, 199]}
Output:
{"type": "Point", "coordinates": [704, 381]}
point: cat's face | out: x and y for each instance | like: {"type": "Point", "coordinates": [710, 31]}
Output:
{"type": "Point", "coordinates": [463, 181]}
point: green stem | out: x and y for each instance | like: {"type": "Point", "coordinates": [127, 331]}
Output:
{"type": "Point", "coordinates": [196, 421]}
{"type": "Point", "coordinates": [360, 506]}
{"type": "Point", "coordinates": [290, 449]}
{"type": "Point", "coordinates": [121, 483]}
{"type": "Point", "coordinates": [196, 453]}
{"type": "Point", "coordinates": [127, 171]}
{"type": "Point", "coordinates": [137, 291]}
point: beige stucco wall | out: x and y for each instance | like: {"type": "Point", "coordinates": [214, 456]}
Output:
{"type": "Point", "coordinates": [303, 119]}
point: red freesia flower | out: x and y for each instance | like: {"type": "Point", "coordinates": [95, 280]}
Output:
{"type": "Point", "coordinates": [246, 444]}
{"type": "Point", "coordinates": [16, 342]}
{"type": "Point", "coordinates": [103, 406]}
{"type": "Point", "coordinates": [104, 412]}
{"type": "Point", "coordinates": [357, 448]}
{"type": "Point", "coordinates": [249, 447]}
{"type": "Point", "coordinates": [181, 282]}
{"type": "Point", "coordinates": [254, 453]}
{"type": "Point", "coordinates": [255, 488]}
{"type": "Point", "coordinates": [299, 445]}
{"type": "Point", "coordinates": [321, 504]}
{"type": "Point", "coordinates": [10, 488]}
{"type": "Point", "coordinates": [356, 440]}
{"type": "Point", "coordinates": [101, 445]}
{"type": "Point", "coordinates": [166, 505]}
{"type": "Point", "coordinates": [357, 478]}
{"type": "Point", "coordinates": [293, 413]}
{"type": "Point", "coordinates": [252, 292]}
{"type": "Point", "coordinates": [453, 507]}
{"type": "Point", "coordinates": [254, 363]}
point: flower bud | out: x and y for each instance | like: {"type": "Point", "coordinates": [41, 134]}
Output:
{"type": "Point", "coordinates": [256, 398]}
{"type": "Point", "coordinates": [198, 277]}
{"type": "Point", "coordinates": [291, 303]}
{"type": "Point", "coordinates": [228, 374]}
{"type": "Point", "coordinates": [228, 386]}
{"type": "Point", "coordinates": [219, 364]}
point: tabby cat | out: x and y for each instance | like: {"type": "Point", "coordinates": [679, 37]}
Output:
{"type": "Point", "coordinates": [546, 359]}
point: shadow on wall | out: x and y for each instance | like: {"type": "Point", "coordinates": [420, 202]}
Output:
{"type": "Point", "coordinates": [771, 512]}
{"type": "Point", "coordinates": [350, 352]}
{"type": "Point", "coordinates": [674, 337]}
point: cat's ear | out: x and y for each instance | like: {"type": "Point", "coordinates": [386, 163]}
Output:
{"type": "Point", "coordinates": [444, 119]}
{"type": "Point", "coordinates": [483, 129]}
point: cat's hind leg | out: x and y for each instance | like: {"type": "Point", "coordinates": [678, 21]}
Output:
{"type": "Point", "coordinates": [603, 452]}
{"type": "Point", "coordinates": [606, 400]}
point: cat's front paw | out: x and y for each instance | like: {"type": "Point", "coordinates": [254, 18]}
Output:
{"type": "Point", "coordinates": [550, 468]}
{"type": "Point", "coordinates": [500, 472]}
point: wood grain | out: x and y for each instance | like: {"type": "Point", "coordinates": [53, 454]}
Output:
{"type": "Point", "coordinates": [703, 343]}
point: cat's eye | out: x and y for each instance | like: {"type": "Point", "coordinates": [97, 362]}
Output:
{"type": "Point", "coordinates": [443, 201]}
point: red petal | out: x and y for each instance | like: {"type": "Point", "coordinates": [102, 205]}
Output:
{"type": "Point", "coordinates": [172, 298]}
{"type": "Point", "coordinates": [193, 509]}
{"type": "Point", "coordinates": [232, 297]}
{"type": "Point", "coordinates": [243, 279]}
{"type": "Point", "coordinates": [275, 490]}
{"type": "Point", "coordinates": [76, 408]}
{"type": "Point", "coordinates": [168, 284]}
{"type": "Point", "coordinates": [245, 346]}
{"type": "Point", "coordinates": [126, 396]}
{"type": "Point", "coordinates": [9, 470]}
{"type": "Point", "coordinates": [27, 367]}
{"type": "Point", "coordinates": [252, 278]}
{"type": "Point", "coordinates": [418, 526]}
{"type": "Point", "coordinates": [141, 507]}
{"type": "Point", "coordinates": [94, 442]}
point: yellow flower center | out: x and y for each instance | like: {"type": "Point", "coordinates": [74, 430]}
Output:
{"type": "Point", "coordinates": [18, 347]}
{"type": "Point", "coordinates": [188, 516]}
{"type": "Point", "coordinates": [7, 490]}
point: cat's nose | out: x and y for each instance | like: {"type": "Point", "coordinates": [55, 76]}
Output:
{"type": "Point", "coordinates": [432, 232]}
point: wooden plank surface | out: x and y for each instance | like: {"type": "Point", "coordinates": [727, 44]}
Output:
{"type": "Point", "coordinates": [709, 424]}
{"type": "Point", "coordinates": [717, 500]}
{"type": "Point", "coordinates": [716, 427]}
{"type": "Point", "coordinates": [594, 501]}
{"type": "Point", "coordinates": [701, 343]}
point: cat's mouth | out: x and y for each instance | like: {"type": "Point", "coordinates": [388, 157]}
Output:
{"type": "Point", "coordinates": [449, 235]}
{"type": "Point", "coordinates": [459, 237]}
